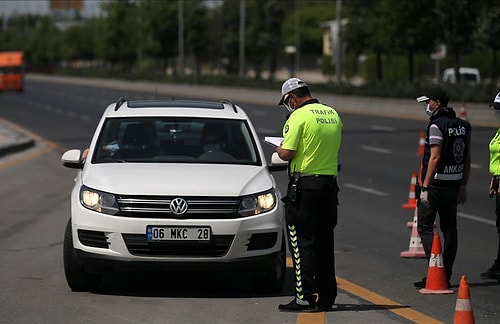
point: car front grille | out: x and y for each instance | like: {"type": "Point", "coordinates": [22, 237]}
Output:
{"type": "Point", "coordinates": [93, 238]}
{"type": "Point", "coordinates": [216, 247]}
{"type": "Point", "coordinates": [198, 207]}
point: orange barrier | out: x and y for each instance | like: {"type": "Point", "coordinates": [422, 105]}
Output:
{"type": "Point", "coordinates": [436, 276]}
{"type": "Point", "coordinates": [415, 248]}
{"type": "Point", "coordinates": [421, 143]}
{"type": "Point", "coordinates": [412, 200]}
{"type": "Point", "coordinates": [463, 112]}
{"type": "Point", "coordinates": [463, 307]}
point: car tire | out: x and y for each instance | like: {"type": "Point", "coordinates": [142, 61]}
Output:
{"type": "Point", "coordinates": [76, 276]}
{"type": "Point", "coordinates": [274, 280]}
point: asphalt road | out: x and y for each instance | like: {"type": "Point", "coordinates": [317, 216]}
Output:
{"type": "Point", "coordinates": [378, 156]}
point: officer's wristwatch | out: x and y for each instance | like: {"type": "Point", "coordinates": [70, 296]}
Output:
{"type": "Point", "coordinates": [424, 189]}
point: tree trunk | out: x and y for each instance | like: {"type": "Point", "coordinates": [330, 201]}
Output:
{"type": "Point", "coordinates": [410, 65]}
{"type": "Point", "coordinates": [379, 66]}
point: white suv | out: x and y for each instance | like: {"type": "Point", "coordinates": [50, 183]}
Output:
{"type": "Point", "coordinates": [174, 185]}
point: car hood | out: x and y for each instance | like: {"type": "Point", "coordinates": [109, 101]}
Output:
{"type": "Point", "coordinates": [177, 179]}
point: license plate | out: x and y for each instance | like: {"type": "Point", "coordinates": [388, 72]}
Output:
{"type": "Point", "coordinates": [168, 233]}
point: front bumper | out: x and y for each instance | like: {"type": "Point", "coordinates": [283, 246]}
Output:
{"type": "Point", "coordinates": [95, 263]}
{"type": "Point", "coordinates": [102, 241]}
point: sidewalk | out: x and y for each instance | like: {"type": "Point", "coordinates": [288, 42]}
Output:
{"type": "Point", "coordinates": [12, 141]}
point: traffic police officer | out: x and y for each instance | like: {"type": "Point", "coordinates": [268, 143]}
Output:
{"type": "Point", "coordinates": [311, 142]}
{"type": "Point", "coordinates": [494, 271]}
{"type": "Point", "coordinates": [445, 172]}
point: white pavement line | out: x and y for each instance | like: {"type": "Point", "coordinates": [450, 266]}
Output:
{"type": "Point", "coordinates": [476, 166]}
{"type": "Point", "coordinates": [262, 130]}
{"type": "Point", "coordinates": [260, 113]}
{"type": "Point", "coordinates": [477, 219]}
{"type": "Point", "coordinates": [383, 128]}
{"type": "Point", "coordinates": [364, 189]}
{"type": "Point", "coordinates": [375, 149]}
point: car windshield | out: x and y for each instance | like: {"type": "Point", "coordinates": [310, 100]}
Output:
{"type": "Point", "coordinates": [176, 140]}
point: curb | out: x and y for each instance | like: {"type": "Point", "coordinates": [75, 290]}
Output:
{"type": "Point", "coordinates": [15, 142]}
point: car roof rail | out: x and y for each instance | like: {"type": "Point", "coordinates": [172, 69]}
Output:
{"type": "Point", "coordinates": [119, 102]}
{"type": "Point", "coordinates": [230, 103]}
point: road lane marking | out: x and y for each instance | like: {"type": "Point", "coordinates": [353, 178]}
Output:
{"type": "Point", "coordinates": [364, 189]}
{"type": "Point", "coordinates": [401, 310]}
{"type": "Point", "coordinates": [476, 166]}
{"type": "Point", "coordinates": [311, 318]}
{"type": "Point", "coordinates": [375, 149]}
{"type": "Point", "coordinates": [477, 219]}
{"type": "Point", "coordinates": [385, 303]}
{"type": "Point", "coordinates": [382, 128]}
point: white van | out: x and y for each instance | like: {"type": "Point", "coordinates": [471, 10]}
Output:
{"type": "Point", "coordinates": [468, 76]}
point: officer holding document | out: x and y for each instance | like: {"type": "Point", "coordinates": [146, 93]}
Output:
{"type": "Point", "coordinates": [311, 143]}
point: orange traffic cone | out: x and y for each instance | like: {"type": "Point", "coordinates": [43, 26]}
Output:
{"type": "Point", "coordinates": [415, 249]}
{"type": "Point", "coordinates": [463, 308]}
{"type": "Point", "coordinates": [436, 276]}
{"type": "Point", "coordinates": [412, 200]}
{"type": "Point", "coordinates": [421, 143]}
{"type": "Point", "coordinates": [463, 113]}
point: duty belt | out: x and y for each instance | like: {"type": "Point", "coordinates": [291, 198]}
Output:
{"type": "Point", "coordinates": [305, 175]}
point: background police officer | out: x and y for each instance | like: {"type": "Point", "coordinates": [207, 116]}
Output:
{"type": "Point", "coordinates": [311, 142]}
{"type": "Point", "coordinates": [494, 271]}
{"type": "Point", "coordinates": [445, 172]}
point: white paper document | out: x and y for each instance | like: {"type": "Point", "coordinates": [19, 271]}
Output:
{"type": "Point", "coordinates": [273, 140]}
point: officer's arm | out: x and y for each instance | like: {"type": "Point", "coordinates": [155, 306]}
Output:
{"type": "Point", "coordinates": [465, 178]}
{"type": "Point", "coordinates": [284, 154]}
{"type": "Point", "coordinates": [433, 164]}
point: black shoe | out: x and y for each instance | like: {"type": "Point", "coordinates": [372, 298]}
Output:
{"type": "Point", "coordinates": [492, 273]}
{"type": "Point", "coordinates": [421, 283]}
{"type": "Point", "coordinates": [294, 307]}
{"type": "Point", "coordinates": [325, 308]}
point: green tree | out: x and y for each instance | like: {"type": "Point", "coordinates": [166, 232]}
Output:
{"type": "Point", "coordinates": [78, 42]}
{"type": "Point", "coordinates": [369, 29]}
{"type": "Point", "coordinates": [263, 33]}
{"type": "Point", "coordinates": [487, 35]}
{"type": "Point", "coordinates": [43, 43]}
{"type": "Point", "coordinates": [414, 29]}
{"type": "Point", "coordinates": [159, 30]}
{"type": "Point", "coordinates": [15, 31]}
{"type": "Point", "coordinates": [197, 38]}
{"type": "Point", "coordinates": [457, 24]}
{"type": "Point", "coordinates": [230, 39]}
{"type": "Point", "coordinates": [119, 35]}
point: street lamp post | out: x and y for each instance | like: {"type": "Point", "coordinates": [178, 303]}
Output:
{"type": "Point", "coordinates": [241, 65]}
{"type": "Point", "coordinates": [338, 66]}
{"type": "Point", "coordinates": [180, 59]}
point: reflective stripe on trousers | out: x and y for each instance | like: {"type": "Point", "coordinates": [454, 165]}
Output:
{"type": "Point", "coordinates": [294, 246]}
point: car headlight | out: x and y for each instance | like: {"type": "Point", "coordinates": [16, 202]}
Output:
{"type": "Point", "coordinates": [257, 203]}
{"type": "Point", "coordinates": [98, 201]}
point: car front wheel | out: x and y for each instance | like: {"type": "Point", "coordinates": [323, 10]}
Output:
{"type": "Point", "coordinates": [274, 280]}
{"type": "Point", "coordinates": [76, 276]}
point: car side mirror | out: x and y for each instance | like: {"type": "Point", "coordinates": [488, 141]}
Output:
{"type": "Point", "coordinates": [277, 164]}
{"type": "Point", "coordinates": [72, 159]}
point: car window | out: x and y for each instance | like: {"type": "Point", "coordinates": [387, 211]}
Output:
{"type": "Point", "coordinates": [175, 140]}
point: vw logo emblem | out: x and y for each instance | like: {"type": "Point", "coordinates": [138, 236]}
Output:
{"type": "Point", "coordinates": [178, 206]}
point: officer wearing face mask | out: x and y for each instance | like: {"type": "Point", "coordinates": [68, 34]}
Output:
{"type": "Point", "coordinates": [311, 142]}
{"type": "Point", "coordinates": [494, 271]}
{"type": "Point", "coordinates": [444, 176]}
